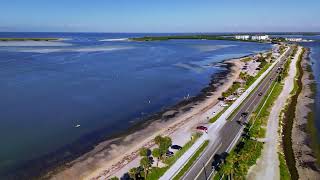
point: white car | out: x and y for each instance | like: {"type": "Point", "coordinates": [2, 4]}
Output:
{"type": "Point", "coordinates": [224, 105]}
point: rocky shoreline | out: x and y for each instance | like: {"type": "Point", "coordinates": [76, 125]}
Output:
{"type": "Point", "coordinates": [301, 139]}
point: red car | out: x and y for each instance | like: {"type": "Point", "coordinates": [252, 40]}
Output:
{"type": "Point", "coordinates": [203, 128]}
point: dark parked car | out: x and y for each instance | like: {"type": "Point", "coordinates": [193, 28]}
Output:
{"type": "Point", "coordinates": [243, 121]}
{"type": "Point", "coordinates": [260, 94]}
{"type": "Point", "coordinates": [151, 159]}
{"type": "Point", "coordinates": [169, 153]}
{"type": "Point", "coordinates": [217, 160]}
{"type": "Point", "coordinates": [176, 147]}
{"type": "Point", "coordinates": [244, 114]}
{"type": "Point", "coordinates": [203, 128]}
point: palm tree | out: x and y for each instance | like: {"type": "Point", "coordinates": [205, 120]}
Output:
{"type": "Point", "coordinates": [114, 178]}
{"type": "Point", "coordinates": [156, 153]}
{"type": "Point", "coordinates": [143, 152]}
{"type": "Point", "coordinates": [241, 170]}
{"type": "Point", "coordinates": [228, 168]}
{"type": "Point", "coordinates": [132, 173]}
{"type": "Point", "coordinates": [158, 139]}
{"type": "Point", "coordinates": [165, 143]}
{"type": "Point", "coordinates": [145, 163]}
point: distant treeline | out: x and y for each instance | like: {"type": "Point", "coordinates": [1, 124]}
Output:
{"type": "Point", "coordinates": [226, 36]}
{"type": "Point", "coordinates": [28, 39]}
{"type": "Point", "coordinates": [295, 33]}
{"type": "Point", "coordinates": [202, 37]}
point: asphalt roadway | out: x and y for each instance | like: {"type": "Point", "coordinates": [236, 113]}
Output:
{"type": "Point", "coordinates": [230, 133]}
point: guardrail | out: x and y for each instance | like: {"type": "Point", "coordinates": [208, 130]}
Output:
{"type": "Point", "coordinates": [178, 165]}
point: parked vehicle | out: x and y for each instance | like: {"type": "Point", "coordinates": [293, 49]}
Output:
{"type": "Point", "coordinates": [217, 160]}
{"type": "Point", "coordinates": [244, 114]}
{"type": "Point", "coordinates": [169, 153]}
{"type": "Point", "coordinates": [224, 105]}
{"type": "Point", "coordinates": [177, 147]}
{"type": "Point", "coordinates": [202, 128]}
{"type": "Point", "coordinates": [242, 121]}
{"type": "Point", "coordinates": [260, 94]}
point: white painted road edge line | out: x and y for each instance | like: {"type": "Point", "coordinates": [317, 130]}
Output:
{"type": "Point", "coordinates": [207, 162]}
{"type": "Point", "coordinates": [234, 141]}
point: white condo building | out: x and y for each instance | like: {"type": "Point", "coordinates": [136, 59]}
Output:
{"type": "Point", "coordinates": [242, 37]}
{"type": "Point", "coordinates": [294, 39]}
{"type": "Point", "coordinates": [260, 38]}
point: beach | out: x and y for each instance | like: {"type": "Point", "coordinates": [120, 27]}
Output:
{"type": "Point", "coordinates": [117, 156]}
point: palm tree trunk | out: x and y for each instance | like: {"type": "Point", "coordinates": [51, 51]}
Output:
{"type": "Point", "coordinates": [145, 173]}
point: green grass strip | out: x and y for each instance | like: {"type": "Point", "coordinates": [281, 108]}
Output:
{"type": "Point", "coordinates": [284, 171]}
{"type": "Point", "coordinates": [156, 172]}
{"type": "Point", "coordinates": [217, 116]}
{"type": "Point", "coordinates": [187, 166]}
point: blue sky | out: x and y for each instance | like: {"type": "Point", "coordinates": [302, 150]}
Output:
{"type": "Point", "coordinates": [160, 15]}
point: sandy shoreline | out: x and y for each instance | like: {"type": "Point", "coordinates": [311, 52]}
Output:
{"type": "Point", "coordinates": [301, 139]}
{"type": "Point", "coordinates": [110, 156]}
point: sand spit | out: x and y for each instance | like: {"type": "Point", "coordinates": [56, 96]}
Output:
{"type": "Point", "coordinates": [32, 43]}
{"type": "Point", "coordinates": [301, 139]}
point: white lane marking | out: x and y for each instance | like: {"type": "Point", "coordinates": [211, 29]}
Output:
{"type": "Point", "coordinates": [263, 105]}
{"type": "Point", "coordinates": [207, 149]}
{"type": "Point", "coordinates": [207, 161]}
{"type": "Point", "coordinates": [228, 149]}
{"type": "Point", "coordinates": [253, 99]}
{"type": "Point", "coordinates": [265, 85]}
{"type": "Point", "coordinates": [234, 140]}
